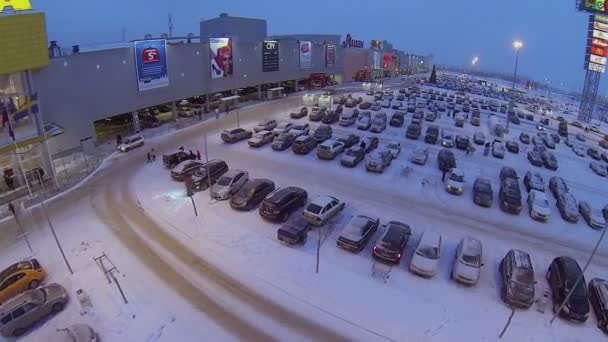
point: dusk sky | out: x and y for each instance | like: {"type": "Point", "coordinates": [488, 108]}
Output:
{"type": "Point", "coordinates": [553, 33]}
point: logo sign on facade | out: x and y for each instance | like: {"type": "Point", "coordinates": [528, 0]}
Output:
{"type": "Point", "coordinates": [220, 57]}
{"type": "Point", "coordinates": [151, 64]}
{"type": "Point", "coordinates": [15, 5]}
{"type": "Point", "coordinates": [597, 59]}
{"type": "Point", "coordinates": [350, 42]}
{"type": "Point", "coordinates": [388, 59]}
{"type": "Point", "coordinates": [599, 42]}
{"type": "Point", "coordinates": [270, 56]}
{"type": "Point", "coordinates": [330, 55]}
{"type": "Point", "coordinates": [305, 55]}
{"type": "Point", "coordinates": [594, 6]}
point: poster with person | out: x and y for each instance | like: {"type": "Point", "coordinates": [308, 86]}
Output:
{"type": "Point", "coordinates": [220, 57]}
{"type": "Point", "coordinates": [305, 55]}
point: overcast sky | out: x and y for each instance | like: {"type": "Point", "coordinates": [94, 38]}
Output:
{"type": "Point", "coordinates": [455, 31]}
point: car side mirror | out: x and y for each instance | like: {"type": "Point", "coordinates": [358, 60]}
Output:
{"type": "Point", "coordinates": [482, 264]}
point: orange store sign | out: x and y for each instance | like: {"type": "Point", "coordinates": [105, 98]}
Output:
{"type": "Point", "coordinates": [16, 5]}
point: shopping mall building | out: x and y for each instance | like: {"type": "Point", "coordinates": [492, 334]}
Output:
{"type": "Point", "coordinates": [53, 98]}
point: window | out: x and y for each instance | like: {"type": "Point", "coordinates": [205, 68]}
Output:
{"type": "Point", "coordinates": [18, 312]}
{"type": "Point", "coordinates": [11, 280]}
{"type": "Point", "coordinates": [7, 318]}
{"type": "Point", "coordinates": [29, 307]}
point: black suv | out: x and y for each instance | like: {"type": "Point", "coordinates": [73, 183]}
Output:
{"type": "Point", "coordinates": [210, 171]}
{"type": "Point", "coordinates": [252, 193]}
{"type": "Point", "coordinates": [510, 196]}
{"type": "Point", "coordinates": [562, 275]}
{"type": "Point", "coordinates": [431, 135]}
{"type": "Point", "coordinates": [462, 142]}
{"type": "Point", "coordinates": [170, 160]}
{"type": "Point", "coordinates": [446, 160]}
{"type": "Point", "coordinates": [508, 172]}
{"type": "Point", "coordinates": [282, 202]}
{"type": "Point", "coordinates": [303, 144]}
{"type": "Point", "coordinates": [397, 119]}
{"type": "Point", "coordinates": [517, 278]}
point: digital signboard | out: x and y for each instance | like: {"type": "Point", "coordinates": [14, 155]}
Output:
{"type": "Point", "coordinates": [597, 44]}
{"type": "Point", "coordinates": [151, 64]}
{"type": "Point", "coordinates": [270, 56]}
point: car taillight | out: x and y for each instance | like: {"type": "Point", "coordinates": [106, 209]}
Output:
{"type": "Point", "coordinates": [374, 248]}
{"type": "Point", "coordinates": [399, 256]}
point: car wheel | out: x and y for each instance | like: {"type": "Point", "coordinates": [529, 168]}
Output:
{"type": "Point", "coordinates": [34, 284]}
{"type": "Point", "coordinates": [57, 307]}
{"type": "Point", "coordinates": [18, 332]}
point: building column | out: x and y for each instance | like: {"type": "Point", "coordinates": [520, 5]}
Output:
{"type": "Point", "coordinates": [174, 111]}
{"type": "Point", "coordinates": [207, 103]}
{"type": "Point", "coordinates": [259, 92]}
{"type": "Point", "coordinates": [136, 126]}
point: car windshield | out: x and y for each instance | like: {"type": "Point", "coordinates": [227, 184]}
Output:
{"type": "Point", "coordinates": [456, 177]}
{"type": "Point", "coordinates": [522, 276]}
{"type": "Point", "coordinates": [471, 259]}
{"type": "Point", "coordinates": [429, 252]}
{"type": "Point", "coordinates": [579, 291]}
{"type": "Point", "coordinates": [353, 152]}
{"type": "Point", "coordinates": [246, 191]}
{"type": "Point", "coordinates": [314, 208]}
{"type": "Point", "coordinates": [542, 202]}
{"type": "Point", "coordinates": [224, 181]}
{"type": "Point", "coordinates": [359, 222]}
{"type": "Point", "coordinates": [392, 237]}
{"type": "Point", "coordinates": [283, 137]}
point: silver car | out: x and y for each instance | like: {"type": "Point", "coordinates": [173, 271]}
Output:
{"type": "Point", "coordinates": [76, 333]}
{"type": "Point", "coordinates": [379, 160]}
{"type": "Point", "coordinates": [230, 183]}
{"type": "Point", "coordinates": [420, 156]}
{"type": "Point", "coordinates": [19, 313]}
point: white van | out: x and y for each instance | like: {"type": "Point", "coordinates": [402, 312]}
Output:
{"type": "Point", "coordinates": [131, 142]}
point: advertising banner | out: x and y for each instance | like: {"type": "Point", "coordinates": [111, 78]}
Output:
{"type": "Point", "coordinates": [600, 34]}
{"type": "Point", "coordinates": [376, 45]}
{"type": "Point", "coordinates": [597, 59]}
{"type": "Point", "coordinates": [377, 60]}
{"type": "Point", "coordinates": [597, 67]}
{"type": "Point", "coordinates": [597, 43]}
{"type": "Point", "coordinates": [270, 56]}
{"type": "Point", "coordinates": [330, 55]}
{"type": "Point", "coordinates": [151, 64]}
{"type": "Point", "coordinates": [220, 57]}
{"type": "Point", "coordinates": [600, 42]}
{"type": "Point", "coordinates": [305, 55]}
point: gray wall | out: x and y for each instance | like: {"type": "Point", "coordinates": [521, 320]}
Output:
{"type": "Point", "coordinates": [240, 29]}
{"type": "Point", "coordinates": [76, 90]}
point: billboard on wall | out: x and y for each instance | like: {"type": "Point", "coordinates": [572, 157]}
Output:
{"type": "Point", "coordinates": [151, 64]}
{"type": "Point", "coordinates": [270, 56]}
{"type": "Point", "coordinates": [23, 41]}
{"type": "Point", "coordinates": [377, 57]}
{"type": "Point", "coordinates": [305, 55]}
{"type": "Point", "coordinates": [330, 55]}
{"type": "Point", "coordinates": [597, 44]}
{"type": "Point", "coordinates": [220, 57]}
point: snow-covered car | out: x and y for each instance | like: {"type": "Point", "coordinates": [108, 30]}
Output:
{"type": "Point", "coordinates": [364, 121]}
{"type": "Point", "coordinates": [580, 137]}
{"type": "Point", "coordinates": [322, 209]}
{"type": "Point", "coordinates": [294, 231]}
{"type": "Point", "coordinates": [462, 142]}
{"type": "Point", "coordinates": [454, 182]}
{"type": "Point", "coordinates": [394, 147]}
{"type": "Point", "coordinates": [329, 149]}
{"type": "Point", "coordinates": [468, 261]}
{"type": "Point", "coordinates": [420, 156]}
{"type": "Point", "coordinates": [447, 140]}
{"type": "Point", "coordinates": [370, 143]}
{"type": "Point", "coordinates": [283, 141]}
{"type": "Point", "coordinates": [482, 192]}
{"type": "Point", "coordinates": [391, 244]}
{"type": "Point", "coordinates": [425, 260]}
{"type": "Point", "coordinates": [378, 125]}
{"type": "Point", "coordinates": [331, 117]}
{"type": "Point", "coordinates": [549, 160]}
{"type": "Point", "coordinates": [317, 114]}
{"type": "Point", "coordinates": [229, 184]}
{"type": "Point", "coordinates": [524, 138]}
{"type": "Point", "coordinates": [397, 119]}
{"type": "Point", "coordinates": [358, 232]}
{"type": "Point", "coordinates": [558, 185]}
{"type": "Point", "coordinates": [414, 130]}
{"type": "Point", "coordinates": [549, 143]}
{"type": "Point", "coordinates": [379, 160]}
{"type": "Point", "coordinates": [498, 149]}
{"type": "Point", "coordinates": [539, 205]}
{"type": "Point", "coordinates": [235, 134]}
{"type": "Point", "coordinates": [518, 281]}
{"type": "Point", "coordinates": [512, 146]}
{"type": "Point", "coordinates": [76, 333]}
{"type": "Point", "coordinates": [598, 168]}
{"type": "Point", "coordinates": [349, 117]}
{"type": "Point", "coordinates": [299, 113]}
{"type": "Point", "coordinates": [568, 142]}
{"type": "Point", "coordinates": [265, 125]}
{"type": "Point", "coordinates": [594, 217]}
{"type": "Point", "coordinates": [322, 133]}
{"type": "Point", "coordinates": [568, 208]}
{"type": "Point", "coordinates": [185, 169]}
{"type": "Point", "coordinates": [579, 150]}
{"type": "Point", "coordinates": [131, 142]}
{"type": "Point", "coordinates": [534, 181]}
{"type": "Point", "coordinates": [299, 130]}
{"type": "Point", "coordinates": [479, 138]}
{"type": "Point", "coordinates": [350, 140]}
{"type": "Point", "coordinates": [282, 127]}
{"type": "Point", "coordinates": [594, 153]}
{"type": "Point", "coordinates": [353, 156]}
{"type": "Point", "coordinates": [535, 158]}
{"type": "Point", "coordinates": [261, 138]}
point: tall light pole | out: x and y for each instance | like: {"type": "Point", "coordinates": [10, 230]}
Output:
{"type": "Point", "coordinates": [474, 63]}
{"type": "Point", "coordinates": [517, 45]}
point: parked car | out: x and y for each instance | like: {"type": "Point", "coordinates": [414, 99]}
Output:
{"type": "Point", "coordinates": [317, 114]}
{"type": "Point", "coordinates": [20, 276]}
{"type": "Point", "coordinates": [23, 311]}
{"type": "Point", "coordinates": [322, 133]}
{"type": "Point", "coordinates": [431, 135]}
{"type": "Point", "coordinates": [594, 217]}
{"type": "Point", "coordinates": [446, 160]}
{"type": "Point", "coordinates": [283, 142]}
{"type": "Point", "coordinates": [280, 203]}
{"type": "Point", "coordinates": [185, 169]}
{"type": "Point", "coordinates": [208, 174]}
{"type": "Point", "coordinates": [358, 232]}
{"type": "Point", "coordinates": [579, 150]}
{"type": "Point", "coordinates": [518, 281]}
{"type": "Point", "coordinates": [378, 125]}
{"type": "Point", "coordinates": [425, 260]}
{"type": "Point", "coordinates": [447, 140]}
{"type": "Point", "coordinates": [598, 168]}
{"type": "Point", "coordinates": [508, 172]}
{"type": "Point", "coordinates": [454, 182]}
{"type": "Point", "coordinates": [171, 160]}
{"type": "Point", "coordinates": [512, 146]}
{"type": "Point", "coordinates": [131, 142]}
{"type": "Point", "coordinates": [539, 206]}
{"type": "Point", "coordinates": [350, 140]}
{"type": "Point", "coordinates": [392, 242]}
{"type": "Point", "coordinates": [431, 116]}
{"type": "Point", "coordinates": [510, 196]}
{"type": "Point", "coordinates": [322, 209]}
{"type": "Point", "coordinates": [299, 113]}
{"type": "Point", "coordinates": [598, 288]}
{"type": "Point", "coordinates": [568, 207]}
{"type": "Point", "coordinates": [349, 118]}
{"type": "Point", "coordinates": [462, 142]}
{"type": "Point", "coordinates": [299, 130]}
{"type": "Point", "coordinates": [379, 160]}
{"type": "Point", "coordinates": [329, 149]}
{"type": "Point", "coordinates": [555, 138]}
{"type": "Point", "coordinates": [593, 153]}
{"type": "Point", "coordinates": [252, 193]}
{"type": "Point", "coordinates": [282, 127]}
{"type": "Point", "coordinates": [580, 137]}
{"type": "Point", "coordinates": [479, 138]}
{"type": "Point", "coordinates": [549, 160]}
{"type": "Point", "coordinates": [365, 105]}
{"type": "Point", "coordinates": [562, 275]}
{"type": "Point", "coordinates": [76, 333]}
{"type": "Point", "coordinates": [294, 231]}
{"type": "Point", "coordinates": [420, 156]}
{"type": "Point", "coordinates": [353, 156]}
{"type": "Point", "coordinates": [468, 261]}
{"type": "Point", "coordinates": [524, 138]}
{"type": "Point", "coordinates": [265, 125]}
{"type": "Point", "coordinates": [557, 185]}
{"type": "Point", "coordinates": [370, 143]}
{"type": "Point", "coordinates": [303, 144]}
{"type": "Point", "coordinates": [235, 134]}
{"type": "Point", "coordinates": [230, 183]}
{"type": "Point", "coordinates": [397, 119]}
{"type": "Point", "coordinates": [364, 122]}
{"type": "Point", "coordinates": [482, 192]}
{"type": "Point", "coordinates": [330, 118]}
{"type": "Point", "coordinates": [261, 138]}
{"type": "Point", "coordinates": [498, 150]}
{"type": "Point", "coordinates": [394, 147]}
{"type": "Point", "coordinates": [534, 181]}
{"type": "Point", "coordinates": [535, 158]}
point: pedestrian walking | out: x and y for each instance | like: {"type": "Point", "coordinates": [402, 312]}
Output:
{"type": "Point", "coordinates": [118, 139]}
{"type": "Point", "coordinates": [148, 158]}
{"type": "Point", "coordinates": [181, 148]}
{"type": "Point", "coordinates": [192, 155]}
{"type": "Point", "coordinates": [153, 153]}
{"type": "Point", "coordinates": [443, 176]}
{"type": "Point", "coordinates": [198, 155]}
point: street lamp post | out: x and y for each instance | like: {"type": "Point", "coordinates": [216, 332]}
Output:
{"type": "Point", "coordinates": [517, 45]}
{"type": "Point", "coordinates": [474, 63]}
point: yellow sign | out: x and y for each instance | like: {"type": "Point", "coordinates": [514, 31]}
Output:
{"type": "Point", "coordinates": [16, 5]}
{"type": "Point", "coordinates": [24, 42]}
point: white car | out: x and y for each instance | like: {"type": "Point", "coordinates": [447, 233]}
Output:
{"type": "Point", "coordinates": [539, 205]}
{"type": "Point", "coordinates": [321, 209]}
{"type": "Point", "coordinates": [347, 118]}
{"type": "Point", "coordinates": [131, 142]}
{"type": "Point", "coordinates": [265, 125]}
{"type": "Point", "coordinates": [598, 168]}
{"type": "Point", "coordinates": [75, 333]}
{"type": "Point", "coordinates": [420, 156]}
{"type": "Point", "coordinates": [299, 130]}
{"type": "Point", "coordinates": [454, 182]}
{"type": "Point", "coordinates": [468, 261]}
{"type": "Point", "coordinates": [394, 147]}
{"type": "Point", "coordinates": [261, 138]}
{"type": "Point", "coordinates": [282, 127]}
{"type": "Point", "coordinates": [498, 149]}
{"type": "Point", "coordinates": [378, 125]}
{"type": "Point", "coordinates": [579, 150]}
{"type": "Point", "coordinates": [364, 122]}
{"type": "Point", "coordinates": [230, 183]}
{"type": "Point", "coordinates": [581, 137]}
{"type": "Point", "coordinates": [425, 260]}
{"type": "Point", "coordinates": [447, 140]}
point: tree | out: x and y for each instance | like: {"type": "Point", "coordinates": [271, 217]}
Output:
{"type": "Point", "coordinates": [433, 76]}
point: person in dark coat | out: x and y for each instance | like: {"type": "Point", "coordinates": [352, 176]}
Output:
{"type": "Point", "coordinates": [362, 144]}
{"type": "Point", "coordinates": [118, 139]}
{"type": "Point", "coordinates": [198, 155]}
{"type": "Point", "coordinates": [192, 155]}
